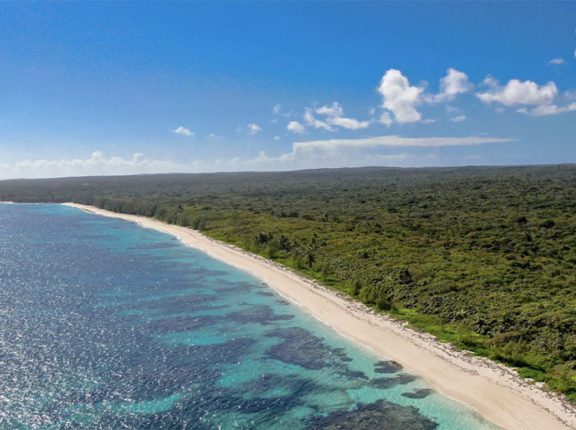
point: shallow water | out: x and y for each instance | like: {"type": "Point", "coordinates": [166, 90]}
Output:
{"type": "Point", "coordinates": [104, 324]}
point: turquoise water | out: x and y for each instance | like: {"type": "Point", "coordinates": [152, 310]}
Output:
{"type": "Point", "coordinates": [104, 324]}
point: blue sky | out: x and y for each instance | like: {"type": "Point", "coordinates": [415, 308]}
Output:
{"type": "Point", "coordinates": [118, 88]}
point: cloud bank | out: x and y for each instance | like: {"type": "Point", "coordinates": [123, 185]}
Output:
{"type": "Point", "coordinates": [303, 154]}
{"type": "Point", "coordinates": [96, 164]}
{"type": "Point", "coordinates": [393, 141]}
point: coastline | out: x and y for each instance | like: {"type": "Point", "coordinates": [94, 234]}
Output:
{"type": "Point", "coordinates": [494, 391]}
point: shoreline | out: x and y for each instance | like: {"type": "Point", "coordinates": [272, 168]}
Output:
{"type": "Point", "coordinates": [490, 389]}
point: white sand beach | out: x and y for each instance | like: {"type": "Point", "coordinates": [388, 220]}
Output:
{"type": "Point", "coordinates": [492, 390]}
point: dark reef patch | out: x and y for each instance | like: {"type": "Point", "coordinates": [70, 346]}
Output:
{"type": "Point", "coordinates": [303, 349]}
{"type": "Point", "coordinates": [159, 245]}
{"type": "Point", "coordinates": [353, 374]}
{"type": "Point", "coordinates": [178, 303]}
{"type": "Point", "coordinates": [258, 314]}
{"type": "Point", "coordinates": [235, 287]}
{"type": "Point", "coordinates": [294, 384]}
{"type": "Point", "coordinates": [380, 415]}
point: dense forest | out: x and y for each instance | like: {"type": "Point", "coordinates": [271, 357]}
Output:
{"type": "Point", "coordinates": [484, 258]}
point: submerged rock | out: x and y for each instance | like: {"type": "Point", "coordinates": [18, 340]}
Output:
{"type": "Point", "coordinates": [265, 293]}
{"type": "Point", "coordinates": [392, 382]}
{"type": "Point", "coordinates": [387, 367]}
{"type": "Point", "coordinates": [379, 415]}
{"type": "Point", "coordinates": [419, 394]}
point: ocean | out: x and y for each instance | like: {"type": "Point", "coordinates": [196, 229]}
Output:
{"type": "Point", "coordinates": [107, 325]}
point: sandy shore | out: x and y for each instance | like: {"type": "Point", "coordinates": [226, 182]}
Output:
{"type": "Point", "coordinates": [494, 391]}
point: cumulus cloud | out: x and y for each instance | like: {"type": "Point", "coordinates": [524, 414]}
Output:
{"type": "Point", "coordinates": [295, 127]}
{"type": "Point", "coordinates": [399, 97]}
{"type": "Point", "coordinates": [529, 97]}
{"type": "Point", "coordinates": [452, 85]}
{"type": "Point", "coordinates": [96, 164]}
{"type": "Point", "coordinates": [517, 92]}
{"type": "Point", "coordinates": [401, 100]}
{"type": "Point", "coordinates": [183, 131]}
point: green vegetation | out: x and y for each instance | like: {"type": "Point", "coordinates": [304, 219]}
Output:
{"type": "Point", "coordinates": [484, 258]}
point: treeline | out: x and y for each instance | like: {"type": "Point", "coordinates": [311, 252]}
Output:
{"type": "Point", "coordinates": [484, 258]}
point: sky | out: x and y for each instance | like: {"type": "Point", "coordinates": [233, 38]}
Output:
{"type": "Point", "coordinates": [90, 88]}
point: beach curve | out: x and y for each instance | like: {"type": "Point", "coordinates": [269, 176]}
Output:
{"type": "Point", "coordinates": [494, 391]}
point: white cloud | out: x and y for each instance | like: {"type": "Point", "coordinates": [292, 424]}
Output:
{"type": "Point", "coordinates": [252, 129]}
{"type": "Point", "coordinates": [517, 93]}
{"type": "Point", "coordinates": [532, 99]}
{"type": "Point", "coordinates": [458, 118]}
{"type": "Point", "coordinates": [557, 61]}
{"type": "Point", "coordinates": [348, 123]}
{"type": "Point", "coordinates": [314, 122]}
{"type": "Point", "coordinates": [183, 131]}
{"type": "Point", "coordinates": [295, 127]}
{"type": "Point", "coordinates": [547, 110]}
{"type": "Point", "coordinates": [96, 164]}
{"type": "Point", "coordinates": [277, 108]}
{"type": "Point", "coordinates": [452, 85]}
{"type": "Point", "coordinates": [333, 111]}
{"type": "Point", "coordinates": [399, 97]}
{"type": "Point", "coordinates": [335, 117]}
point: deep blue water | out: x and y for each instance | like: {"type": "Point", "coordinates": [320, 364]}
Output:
{"type": "Point", "coordinates": [104, 324]}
